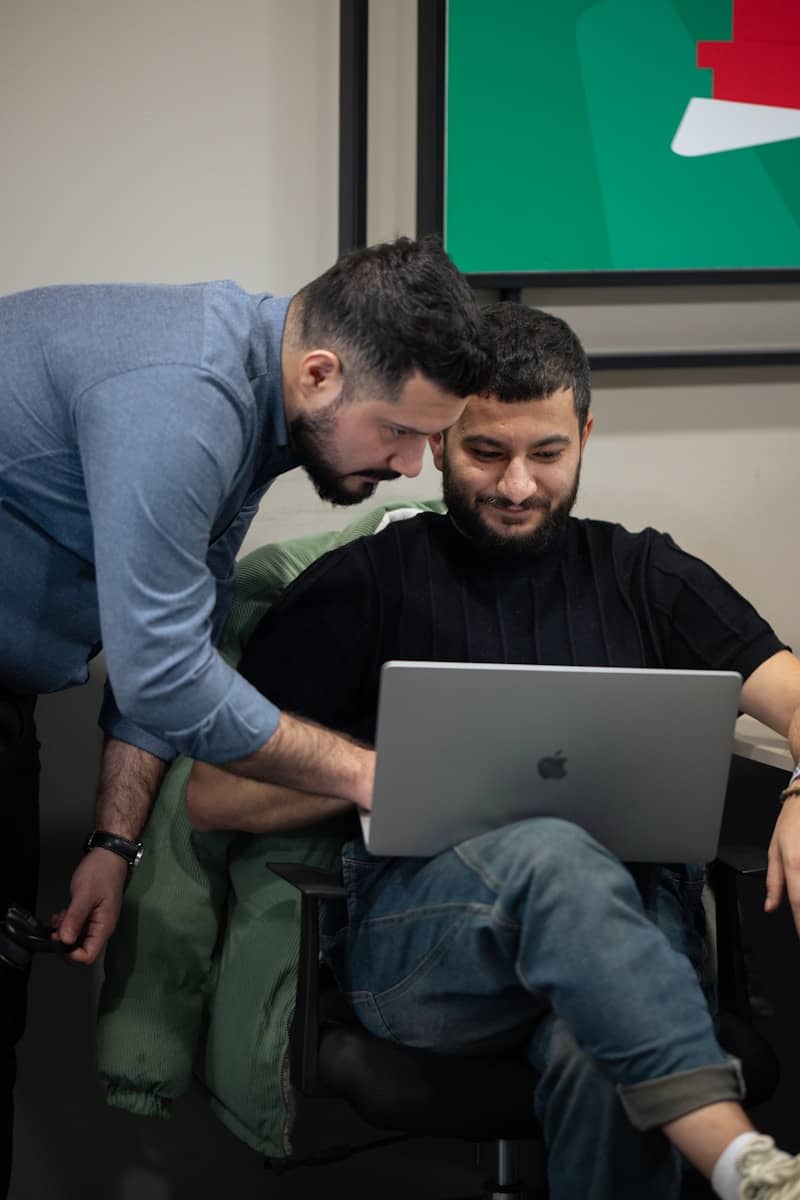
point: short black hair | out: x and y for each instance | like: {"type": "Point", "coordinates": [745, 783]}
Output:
{"type": "Point", "coordinates": [533, 355]}
{"type": "Point", "coordinates": [395, 308]}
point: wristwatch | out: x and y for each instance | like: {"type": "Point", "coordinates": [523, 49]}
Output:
{"type": "Point", "coordinates": [130, 851]}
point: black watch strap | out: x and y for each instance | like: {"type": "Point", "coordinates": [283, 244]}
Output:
{"type": "Point", "coordinates": [130, 851]}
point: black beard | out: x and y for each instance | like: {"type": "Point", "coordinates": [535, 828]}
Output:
{"type": "Point", "coordinates": [311, 438]}
{"type": "Point", "coordinates": [466, 516]}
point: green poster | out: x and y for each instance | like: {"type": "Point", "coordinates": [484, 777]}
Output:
{"type": "Point", "coordinates": [581, 135]}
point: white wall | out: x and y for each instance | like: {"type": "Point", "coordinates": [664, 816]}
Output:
{"type": "Point", "coordinates": [168, 141]}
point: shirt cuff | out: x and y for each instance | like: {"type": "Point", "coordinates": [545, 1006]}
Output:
{"type": "Point", "coordinates": [116, 726]}
{"type": "Point", "coordinates": [238, 726]}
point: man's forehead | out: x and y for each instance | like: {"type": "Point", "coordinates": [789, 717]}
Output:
{"type": "Point", "coordinates": [422, 406]}
{"type": "Point", "coordinates": [493, 419]}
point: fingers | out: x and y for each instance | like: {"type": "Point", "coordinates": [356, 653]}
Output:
{"type": "Point", "coordinates": [90, 931]}
{"type": "Point", "coordinates": [776, 880]}
{"type": "Point", "coordinates": [94, 939]}
{"type": "Point", "coordinates": [75, 917]}
{"type": "Point", "coordinates": [791, 871]}
{"type": "Point", "coordinates": [90, 916]}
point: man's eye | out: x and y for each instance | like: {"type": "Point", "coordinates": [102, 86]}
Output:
{"type": "Point", "coordinates": [485, 455]}
{"type": "Point", "coordinates": [398, 431]}
{"type": "Point", "coordinates": [549, 455]}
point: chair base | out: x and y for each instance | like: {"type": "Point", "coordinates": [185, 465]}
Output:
{"type": "Point", "coordinates": [519, 1190]}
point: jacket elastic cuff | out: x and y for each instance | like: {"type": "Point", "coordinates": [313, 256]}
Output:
{"type": "Point", "coordinates": [141, 1104]}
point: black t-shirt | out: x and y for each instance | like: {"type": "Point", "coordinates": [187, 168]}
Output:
{"type": "Point", "coordinates": [598, 595]}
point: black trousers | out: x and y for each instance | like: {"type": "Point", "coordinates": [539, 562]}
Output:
{"type": "Point", "coordinates": [19, 874]}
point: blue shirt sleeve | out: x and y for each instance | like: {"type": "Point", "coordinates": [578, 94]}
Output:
{"type": "Point", "coordinates": [221, 559]}
{"type": "Point", "coordinates": [160, 450]}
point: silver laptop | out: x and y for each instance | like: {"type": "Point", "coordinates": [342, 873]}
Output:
{"type": "Point", "coordinates": [639, 758]}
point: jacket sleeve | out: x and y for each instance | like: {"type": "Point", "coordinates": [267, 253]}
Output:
{"type": "Point", "coordinates": [159, 962]}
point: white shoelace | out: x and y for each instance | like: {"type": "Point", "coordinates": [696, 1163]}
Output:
{"type": "Point", "coordinates": [768, 1173]}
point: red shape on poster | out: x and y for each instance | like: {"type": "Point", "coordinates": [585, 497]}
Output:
{"type": "Point", "coordinates": [762, 63]}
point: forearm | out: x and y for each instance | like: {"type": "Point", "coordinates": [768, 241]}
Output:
{"type": "Point", "coordinates": [215, 799]}
{"type": "Point", "coordinates": [129, 780]}
{"type": "Point", "coordinates": [309, 758]}
{"type": "Point", "coordinates": [793, 735]}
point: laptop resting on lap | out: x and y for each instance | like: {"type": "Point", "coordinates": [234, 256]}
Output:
{"type": "Point", "coordinates": [639, 758]}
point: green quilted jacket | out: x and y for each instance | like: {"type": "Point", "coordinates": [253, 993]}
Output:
{"type": "Point", "coordinates": [200, 974]}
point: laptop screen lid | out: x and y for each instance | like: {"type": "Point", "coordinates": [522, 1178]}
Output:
{"type": "Point", "coordinates": [638, 757]}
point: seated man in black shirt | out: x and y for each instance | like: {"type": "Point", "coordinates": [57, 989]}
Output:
{"type": "Point", "coordinates": [533, 931]}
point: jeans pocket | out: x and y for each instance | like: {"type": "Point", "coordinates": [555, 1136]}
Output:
{"type": "Point", "coordinates": [367, 1010]}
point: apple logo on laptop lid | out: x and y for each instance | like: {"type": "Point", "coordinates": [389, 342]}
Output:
{"type": "Point", "coordinates": [553, 766]}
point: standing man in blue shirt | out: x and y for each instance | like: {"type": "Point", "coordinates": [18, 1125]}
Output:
{"type": "Point", "coordinates": [140, 427]}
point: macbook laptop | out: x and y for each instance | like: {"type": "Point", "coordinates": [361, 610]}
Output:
{"type": "Point", "coordinates": [639, 758]}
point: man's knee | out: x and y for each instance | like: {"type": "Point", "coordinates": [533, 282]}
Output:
{"type": "Point", "coordinates": [536, 845]}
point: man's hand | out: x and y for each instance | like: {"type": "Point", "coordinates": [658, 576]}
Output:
{"type": "Point", "coordinates": [783, 872]}
{"type": "Point", "coordinates": [95, 900]}
{"type": "Point", "coordinates": [129, 779]}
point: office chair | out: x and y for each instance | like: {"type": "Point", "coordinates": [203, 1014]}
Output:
{"type": "Point", "coordinates": [422, 1093]}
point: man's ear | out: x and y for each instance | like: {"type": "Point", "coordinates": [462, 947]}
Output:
{"type": "Point", "coordinates": [436, 443]}
{"type": "Point", "coordinates": [587, 429]}
{"type": "Point", "coordinates": [319, 378]}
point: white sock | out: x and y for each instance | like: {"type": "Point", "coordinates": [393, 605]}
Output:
{"type": "Point", "coordinates": [725, 1178]}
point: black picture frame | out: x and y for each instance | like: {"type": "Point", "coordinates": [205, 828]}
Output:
{"type": "Point", "coordinates": [353, 81]}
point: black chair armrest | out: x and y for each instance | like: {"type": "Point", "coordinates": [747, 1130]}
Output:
{"type": "Point", "coordinates": [314, 885]}
{"type": "Point", "coordinates": [742, 860]}
{"type": "Point", "coordinates": [732, 863]}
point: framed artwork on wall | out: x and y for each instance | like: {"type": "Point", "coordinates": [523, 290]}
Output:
{"type": "Point", "coordinates": [611, 141]}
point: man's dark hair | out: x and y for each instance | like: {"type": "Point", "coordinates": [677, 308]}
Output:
{"type": "Point", "coordinates": [395, 308]}
{"type": "Point", "coordinates": [533, 355]}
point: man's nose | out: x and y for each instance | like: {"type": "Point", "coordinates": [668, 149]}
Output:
{"type": "Point", "coordinates": [517, 483]}
{"type": "Point", "coordinates": [408, 460]}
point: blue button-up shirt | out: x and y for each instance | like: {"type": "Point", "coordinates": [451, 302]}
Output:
{"type": "Point", "coordinates": [139, 428]}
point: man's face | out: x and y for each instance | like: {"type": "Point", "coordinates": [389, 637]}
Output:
{"type": "Point", "coordinates": [353, 443]}
{"type": "Point", "coordinates": [511, 471]}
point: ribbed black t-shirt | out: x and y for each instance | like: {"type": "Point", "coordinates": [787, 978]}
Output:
{"type": "Point", "coordinates": [598, 595]}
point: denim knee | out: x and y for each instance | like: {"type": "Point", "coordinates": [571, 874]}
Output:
{"type": "Point", "coordinates": [549, 847]}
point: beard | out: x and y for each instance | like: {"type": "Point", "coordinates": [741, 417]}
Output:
{"type": "Point", "coordinates": [466, 515]}
{"type": "Point", "coordinates": [313, 439]}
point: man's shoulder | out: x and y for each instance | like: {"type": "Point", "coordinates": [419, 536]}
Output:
{"type": "Point", "coordinates": [390, 524]}
{"type": "Point", "coordinates": [616, 536]}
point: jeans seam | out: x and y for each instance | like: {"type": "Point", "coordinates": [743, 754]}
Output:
{"type": "Point", "coordinates": [423, 967]}
{"type": "Point", "coordinates": [429, 910]}
{"type": "Point", "coordinates": [478, 869]}
{"type": "Point", "coordinates": [498, 916]}
{"type": "Point", "coordinates": [368, 1000]}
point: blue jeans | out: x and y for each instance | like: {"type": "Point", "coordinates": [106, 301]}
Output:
{"type": "Point", "coordinates": [535, 936]}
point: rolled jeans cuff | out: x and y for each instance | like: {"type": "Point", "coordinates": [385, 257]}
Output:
{"type": "Point", "coordinates": [655, 1102]}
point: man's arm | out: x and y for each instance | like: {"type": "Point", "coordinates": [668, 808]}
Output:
{"type": "Point", "coordinates": [229, 797]}
{"type": "Point", "coordinates": [314, 654]}
{"type": "Point", "coordinates": [129, 780]}
{"type": "Point", "coordinates": [161, 449]}
{"type": "Point", "coordinates": [772, 695]}
{"type": "Point", "coordinates": [310, 758]}
{"type": "Point", "coordinates": [215, 799]}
